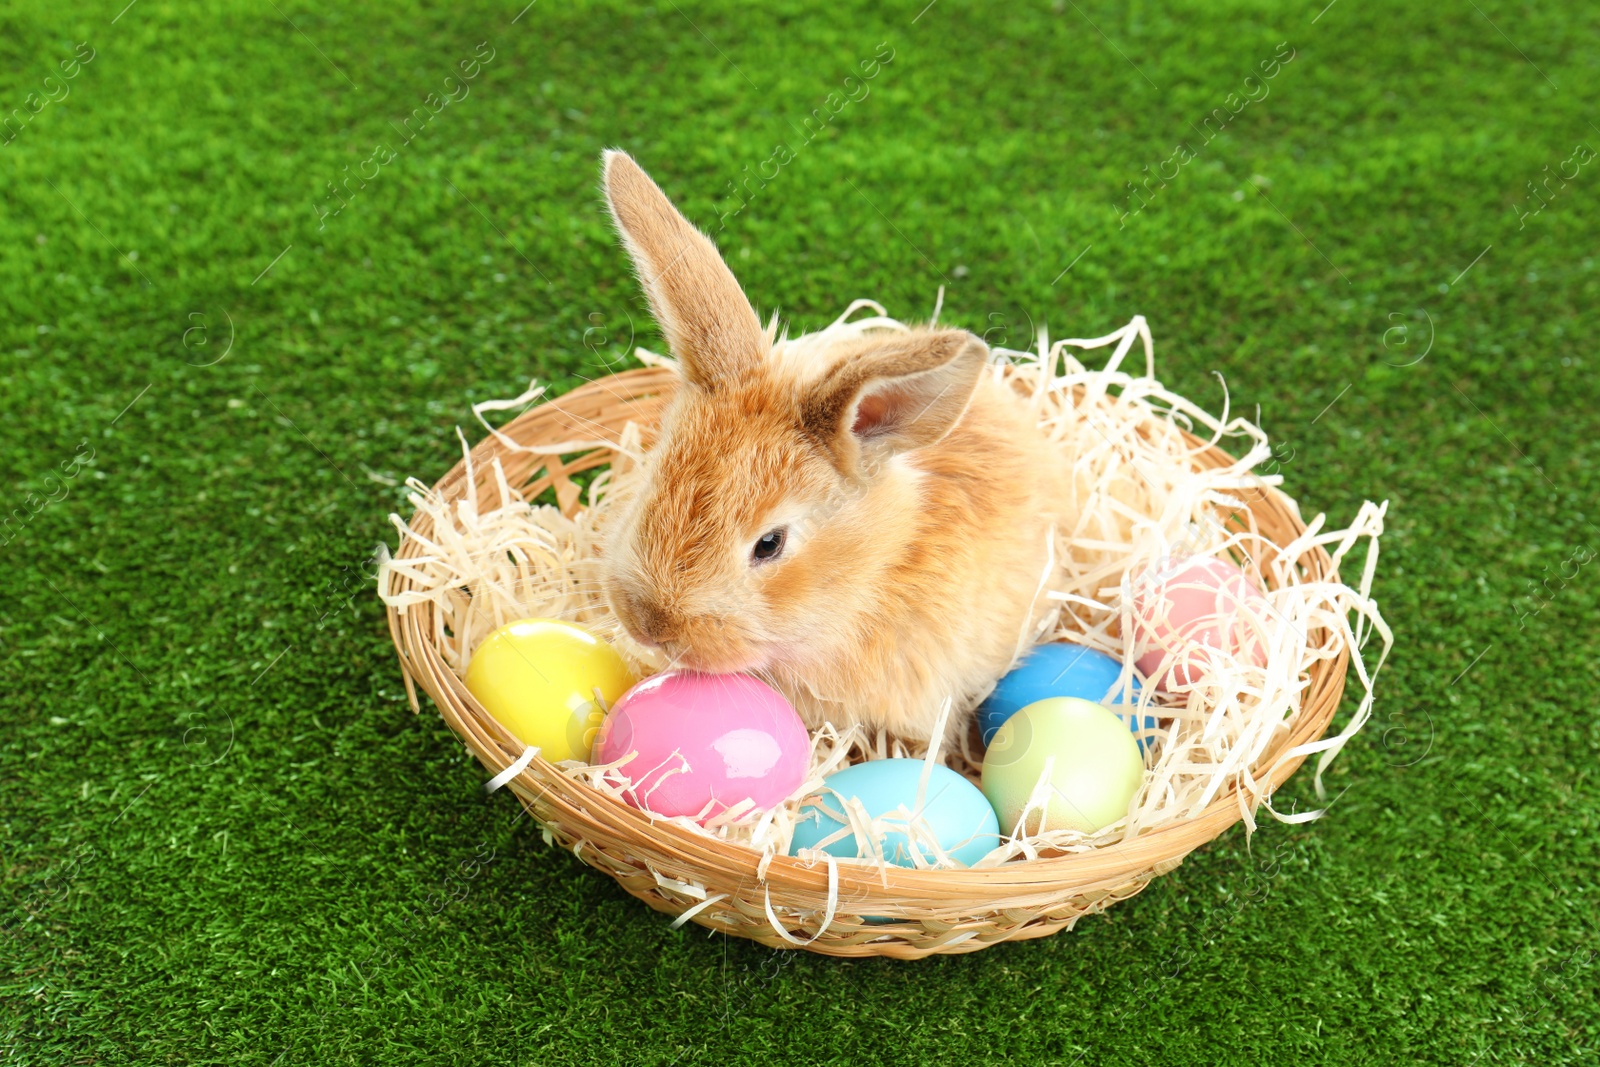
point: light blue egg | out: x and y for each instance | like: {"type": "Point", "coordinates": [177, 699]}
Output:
{"type": "Point", "coordinates": [953, 810]}
{"type": "Point", "coordinates": [1062, 669]}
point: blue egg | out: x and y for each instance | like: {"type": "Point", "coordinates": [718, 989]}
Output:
{"type": "Point", "coordinates": [954, 810]}
{"type": "Point", "coordinates": [1061, 669]}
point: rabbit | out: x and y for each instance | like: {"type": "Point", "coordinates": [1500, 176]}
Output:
{"type": "Point", "coordinates": [867, 530]}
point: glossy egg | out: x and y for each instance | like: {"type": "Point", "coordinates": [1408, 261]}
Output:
{"type": "Point", "coordinates": [539, 678]}
{"type": "Point", "coordinates": [954, 813]}
{"type": "Point", "coordinates": [1063, 669]}
{"type": "Point", "coordinates": [1094, 765]}
{"type": "Point", "coordinates": [703, 742]}
{"type": "Point", "coordinates": [1186, 613]}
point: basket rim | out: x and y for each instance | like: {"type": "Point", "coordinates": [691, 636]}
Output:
{"type": "Point", "coordinates": [422, 664]}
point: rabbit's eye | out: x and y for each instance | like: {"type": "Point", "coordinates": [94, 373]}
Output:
{"type": "Point", "coordinates": [769, 546]}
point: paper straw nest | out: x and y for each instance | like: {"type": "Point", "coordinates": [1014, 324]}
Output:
{"type": "Point", "coordinates": [1153, 486]}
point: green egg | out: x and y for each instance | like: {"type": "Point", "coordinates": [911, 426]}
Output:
{"type": "Point", "coordinates": [1095, 766]}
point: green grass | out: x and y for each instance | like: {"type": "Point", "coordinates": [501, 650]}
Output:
{"type": "Point", "coordinates": [225, 838]}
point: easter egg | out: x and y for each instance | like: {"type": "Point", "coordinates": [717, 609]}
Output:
{"type": "Point", "coordinates": [1062, 669]}
{"type": "Point", "coordinates": [700, 743]}
{"type": "Point", "coordinates": [1187, 613]}
{"type": "Point", "coordinates": [953, 813]}
{"type": "Point", "coordinates": [1094, 765]}
{"type": "Point", "coordinates": [539, 679]}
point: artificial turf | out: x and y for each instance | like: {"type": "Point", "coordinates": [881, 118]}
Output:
{"type": "Point", "coordinates": [226, 839]}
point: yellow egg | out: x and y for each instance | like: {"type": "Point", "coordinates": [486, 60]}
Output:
{"type": "Point", "coordinates": [538, 678]}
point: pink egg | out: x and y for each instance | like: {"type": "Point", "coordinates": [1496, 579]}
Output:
{"type": "Point", "coordinates": [704, 742]}
{"type": "Point", "coordinates": [1187, 611]}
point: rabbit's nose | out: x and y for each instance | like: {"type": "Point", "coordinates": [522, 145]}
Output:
{"type": "Point", "coordinates": [647, 623]}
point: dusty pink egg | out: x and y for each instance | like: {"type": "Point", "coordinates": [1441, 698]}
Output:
{"type": "Point", "coordinates": [1187, 611]}
{"type": "Point", "coordinates": [704, 742]}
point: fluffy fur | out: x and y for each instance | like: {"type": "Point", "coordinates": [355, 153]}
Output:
{"type": "Point", "coordinates": [914, 491]}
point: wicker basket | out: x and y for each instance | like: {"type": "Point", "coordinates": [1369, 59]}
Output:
{"type": "Point", "coordinates": [678, 871]}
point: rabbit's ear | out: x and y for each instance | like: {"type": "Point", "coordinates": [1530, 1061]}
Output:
{"type": "Point", "coordinates": [713, 330]}
{"type": "Point", "coordinates": [901, 393]}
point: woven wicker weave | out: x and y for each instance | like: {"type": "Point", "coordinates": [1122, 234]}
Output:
{"type": "Point", "coordinates": [673, 869]}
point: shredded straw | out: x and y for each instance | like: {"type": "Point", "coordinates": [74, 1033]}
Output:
{"type": "Point", "coordinates": [1143, 506]}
